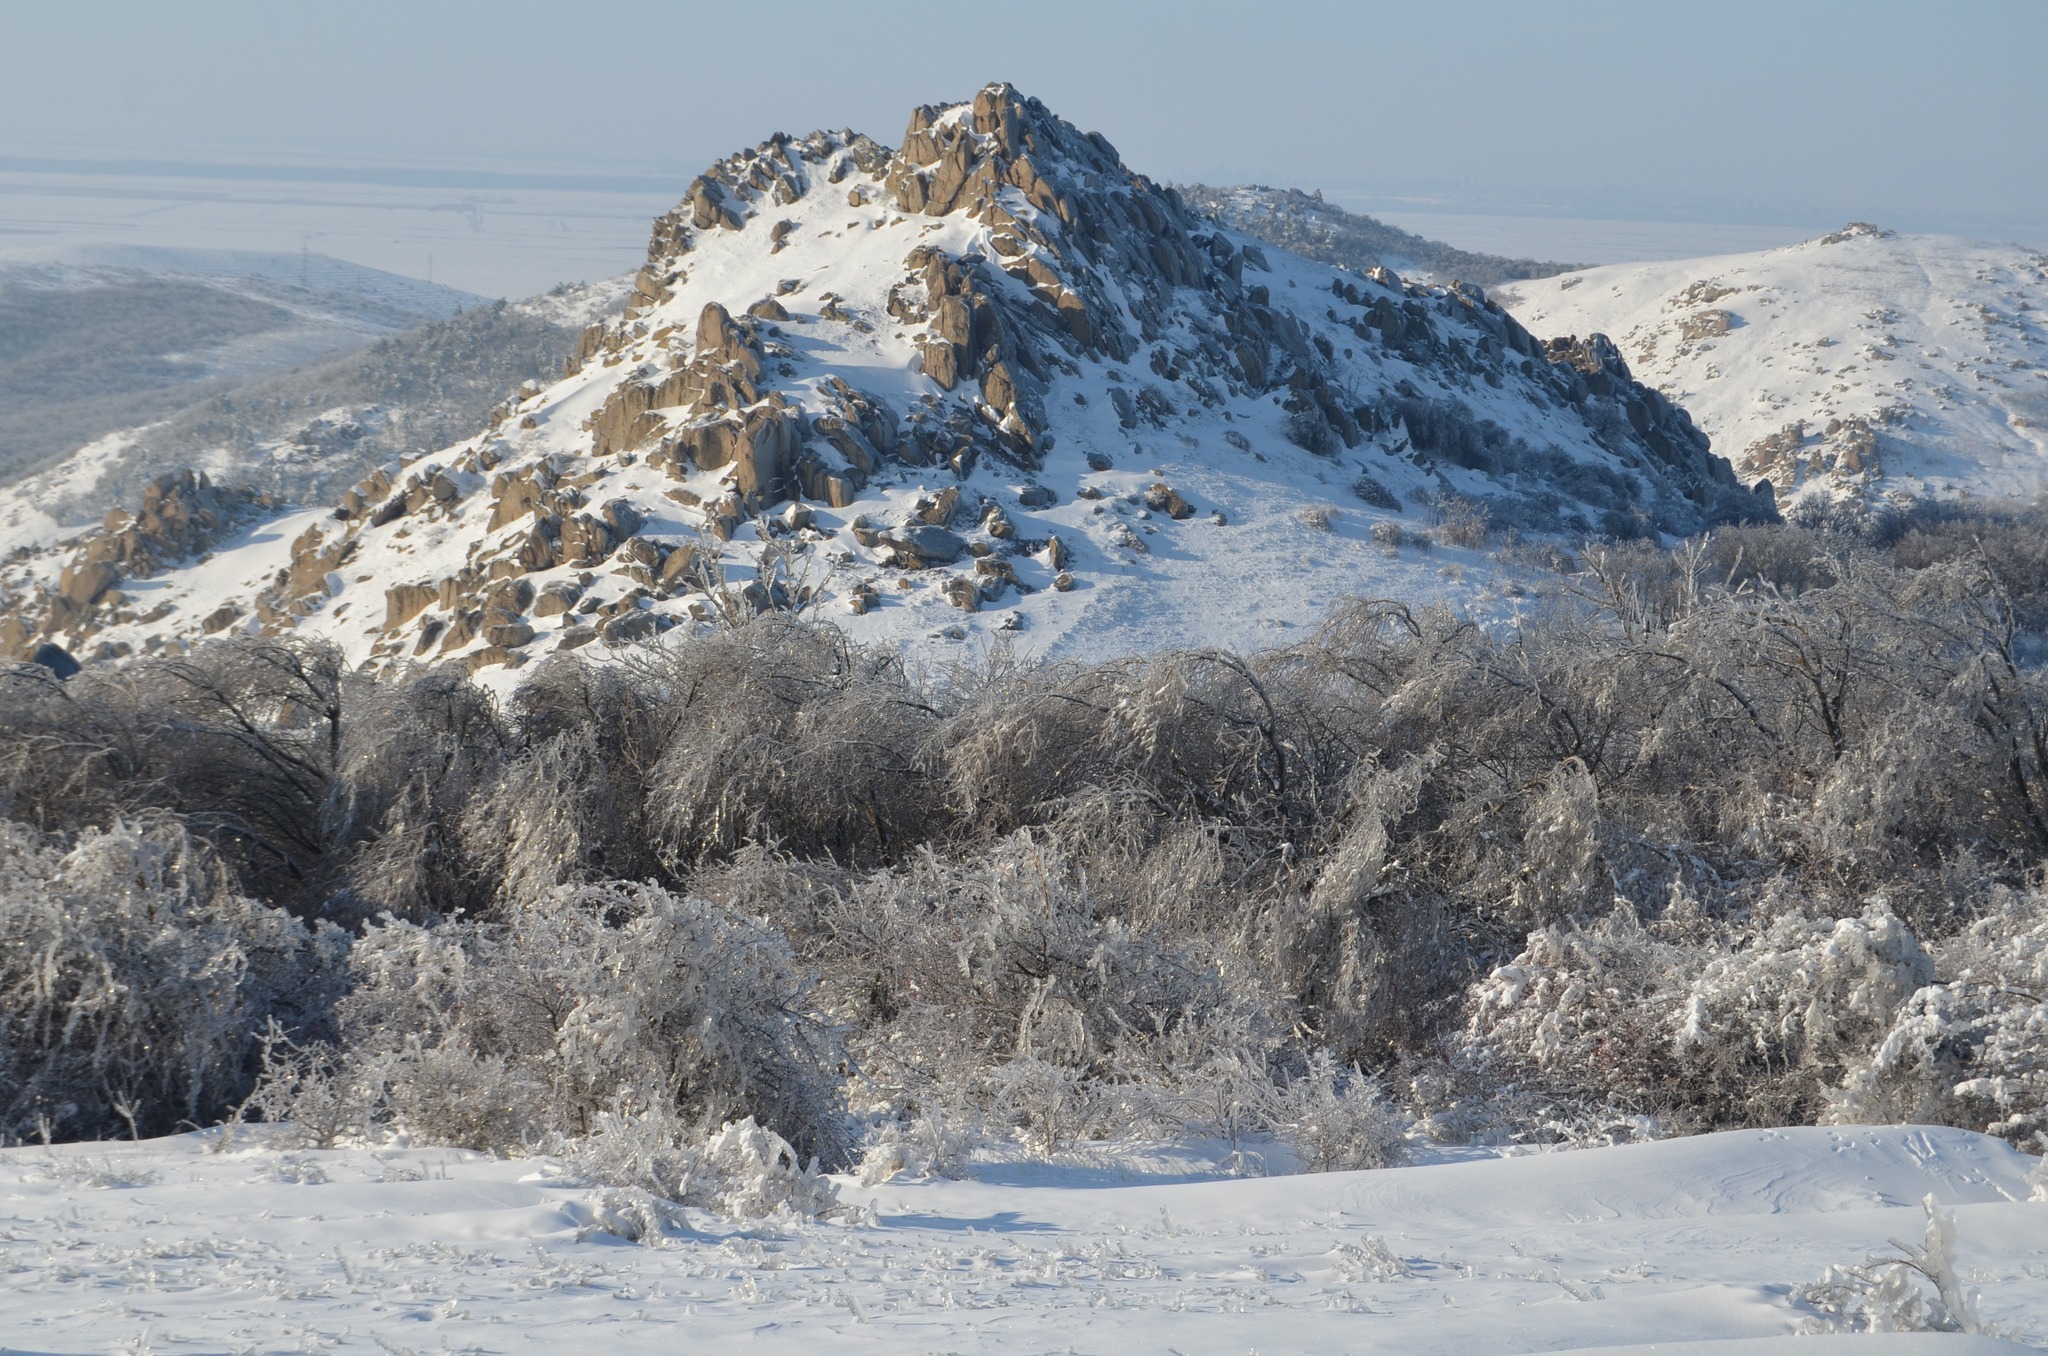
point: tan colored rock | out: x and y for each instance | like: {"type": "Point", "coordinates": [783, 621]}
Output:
{"type": "Point", "coordinates": [491, 656]}
{"type": "Point", "coordinates": [556, 599]}
{"type": "Point", "coordinates": [585, 541]}
{"type": "Point", "coordinates": [82, 583]}
{"type": "Point", "coordinates": [508, 635]}
{"type": "Point", "coordinates": [963, 593]}
{"type": "Point", "coordinates": [405, 601]}
{"type": "Point", "coordinates": [1163, 498]}
{"type": "Point", "coordinates": [941, 362]}
{"type": "Point", "coordinates": [678, 564]}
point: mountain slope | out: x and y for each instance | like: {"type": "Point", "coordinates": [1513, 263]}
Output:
{"type": "Point", "coordinates": [125, 336]}
{"type": "Point", "coordinates": [994, 382]}
{"type": "Point", "coordinates": [1862, 365]}
{"type": "Point", "coordinates": [1306, 225]}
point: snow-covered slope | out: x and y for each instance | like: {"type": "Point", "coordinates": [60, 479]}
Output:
{"type": "Point", "coordinates": [1687, 1245]}
{"type": "Point", "coordinates": [993, 383]}
{"type": "Point", "coordinates": [1307, 225]}
{"type": "Point", "coordinates": [1862, 363]}
{"type": "Point", "coordinates": [325, 423]}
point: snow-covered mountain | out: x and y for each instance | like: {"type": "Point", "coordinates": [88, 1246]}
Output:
{"type": "Point", "coordinates": [1307, 225]}
{"type": "Point", "coordinates": [991, 383]}
{"type": "Point", "coordinates": [1863, 364]}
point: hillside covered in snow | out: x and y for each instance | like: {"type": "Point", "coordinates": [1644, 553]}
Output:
{"type": "Point", "coordinates": [1304, 224]}
{"type": "Point", "coordinates": [993, 383]}
{"type": "Point", "coordinates": [112, 338]}
{"type": "Point", "coordinates": [1863, 365]}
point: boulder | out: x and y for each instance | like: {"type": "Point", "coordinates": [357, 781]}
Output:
{"type": "Point", "coordinates": [508, 635]}
{"type": "Point", "coordinates": [1163, 498]}
{"type": "Point", "coordinates": [677, 564]}
{"type": "Point", "coordinates": [55, 658]}
{"type": "Point", "coordinates": [556, 599]}
{"type": "Point", "coordinates": [963, 593]}
{"type": "Point", "coordinates": [630, 628]}
{"type": "Point", "coordinates": [82, 583]}
{"type": "Point", "coordinates": [221, 618]}
{"type": "Point", "coordinates": [924, 543]}
{"type": "Point", "coordinates": [405, 601]}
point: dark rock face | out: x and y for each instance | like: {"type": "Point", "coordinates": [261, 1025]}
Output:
{"type": "Point", "coordinates": [55, 658]}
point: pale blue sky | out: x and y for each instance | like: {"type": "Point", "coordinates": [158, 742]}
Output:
{"type": "Point", "coordinates": [1923, 115]}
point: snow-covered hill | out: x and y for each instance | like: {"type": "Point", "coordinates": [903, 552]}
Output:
{"type": "Point", "coordinates": [1862, 364]}
{"type": "Point", "coordinates": [304, 433]}
{"type": "Point", "coordinates": [994, 383]}
{"type": "Point", "coordinates": [113, 338]}
{"type": "Point", "coordinates": [1307, 225]}
{"type": "Point", "coordinates": [1692, 1245]}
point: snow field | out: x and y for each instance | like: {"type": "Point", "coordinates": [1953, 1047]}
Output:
{"type": "Point", "coordinates": [171, 1246]}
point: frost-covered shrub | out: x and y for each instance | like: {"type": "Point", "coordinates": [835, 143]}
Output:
{"type": "Point", "coordinates": [922, 1146]}
{"type": "Point", "coordinates": [742, 1170]}
{"type": "Point", "coordinates": [1784, 1016]}
{"type": "Point", "coordinates": [134, 978]}
{"type": "Point", "coordinates": [592, 999]}
{"type": "Point", "coordinates": [1337, 1120]}
{"type": "Point", "coordinates": [1971, 1050]}
{"type": "Point", "coordinates": [1748, 1031]}
{"type": "Point", "coordinates": [1584, 1011]}
{"type": "Point", "coordinates": [1013, 953]}
{"type": "Point", "coordinates": [1891, 1293]}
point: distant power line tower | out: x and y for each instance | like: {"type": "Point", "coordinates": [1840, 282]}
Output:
{"type": "Point", "coordinates": [305, 263]}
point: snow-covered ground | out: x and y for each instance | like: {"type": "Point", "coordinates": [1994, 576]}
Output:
{"type": "Point", "coordinates": [1914, 362]}
{"type": "Point", "coordinates": [171, 1246]}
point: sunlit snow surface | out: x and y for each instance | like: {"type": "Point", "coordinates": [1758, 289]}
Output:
{"type": "Point", "coordinates": [167, 1246]}
{"type": "Point", "coordinates": [1941, 343]}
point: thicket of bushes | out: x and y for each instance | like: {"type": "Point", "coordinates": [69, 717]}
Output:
{"type": "Point", "coordinates": [1741, 833]}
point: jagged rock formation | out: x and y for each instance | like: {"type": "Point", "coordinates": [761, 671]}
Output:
{"type": "Point", "coordinates": [181, 515]}
{"type": "Point", "coordinates": [995, 367]}
{"type": "Point", "coordinates": [1861, 367]}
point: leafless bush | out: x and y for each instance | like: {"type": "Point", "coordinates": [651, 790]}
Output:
{"type": "Point", "coordinates": [1738, 832]}
{"type": "Point", "coordinates": [134, 977]}
{"type": "Point", "coordinates": [585, 1000]}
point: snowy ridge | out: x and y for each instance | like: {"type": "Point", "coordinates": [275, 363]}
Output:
{"type": "Point", "coordinates": [1862, 364]}
{"type": "Point", "coordinates": [993, 384]}
{"type": "Point", "coordinates": [69, 498]}
{"type": "Point", "coordinates": [172, 1247]}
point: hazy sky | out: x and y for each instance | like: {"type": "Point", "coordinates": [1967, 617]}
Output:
{"type": "Point", "coordinates": [1926, 114]}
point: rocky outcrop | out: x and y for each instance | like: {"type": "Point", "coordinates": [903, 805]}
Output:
{"type": "Point", "coordinates": [181, 515]}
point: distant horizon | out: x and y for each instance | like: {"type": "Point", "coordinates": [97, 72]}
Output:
{"type": "Point", "coordinates": [499, 232]}
{"type": "Point", "coordinates": [1745, 112]}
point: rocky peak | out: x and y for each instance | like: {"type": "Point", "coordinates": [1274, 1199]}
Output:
{"type": "Point", "coordinates": [845, 367]}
